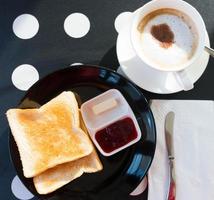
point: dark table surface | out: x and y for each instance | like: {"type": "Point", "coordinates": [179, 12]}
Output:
{"type": "Point", "coordinates": [51, 49]}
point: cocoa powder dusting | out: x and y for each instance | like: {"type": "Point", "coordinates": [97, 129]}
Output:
{"type": "Point", "coordinates": [163, 34]}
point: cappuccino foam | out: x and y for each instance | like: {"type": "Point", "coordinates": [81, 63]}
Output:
{"type": "Point", "coordinates": [168, 38]}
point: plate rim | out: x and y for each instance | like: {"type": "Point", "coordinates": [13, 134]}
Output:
{"type": "Point", "coordinates": [10, 136]}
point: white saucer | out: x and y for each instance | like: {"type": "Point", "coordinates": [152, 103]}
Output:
{"type": "Point", "coordinates": [150, 79]}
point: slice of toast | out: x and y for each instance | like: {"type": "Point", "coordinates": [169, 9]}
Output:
{"type": "Point", "coordinates": [58, 176]}
{"type": "Point", "coordinates": [50, 135]}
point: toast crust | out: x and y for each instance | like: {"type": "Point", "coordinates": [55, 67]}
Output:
{"type": "Point", "coordinates": [58, 176]}
{"type": "Point", "coordinates": [50, 135]}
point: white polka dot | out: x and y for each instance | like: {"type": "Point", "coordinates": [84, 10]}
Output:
{"type": "Point", "coordinates": [121, 20]}
{"type": "Point", "coordinates": [73, 64]}
{"type": "Point", "coordinates": [77, 25]}
{"type": "Point", "coordinates": [140, 188]}
{"type": "Point", "coordinates": [19, 190]}
{"type": "Point", "coordinates": [25, 26]}
{"type": "Point", "coordinates": [24, 76]}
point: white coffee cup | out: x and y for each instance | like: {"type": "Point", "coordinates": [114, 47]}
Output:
{"type": "Point", "coordinates": [184, 7]}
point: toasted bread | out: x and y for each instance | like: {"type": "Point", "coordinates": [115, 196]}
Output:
{"type": "Point", "coordinates": [58, 176]}
{"type": "Point", "coordinates": [50, 135]}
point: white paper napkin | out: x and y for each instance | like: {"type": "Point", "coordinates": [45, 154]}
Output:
{"type": "Point", "coordinates": [194, 150]}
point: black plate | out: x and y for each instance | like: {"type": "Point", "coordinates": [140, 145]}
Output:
{"type": "Point", "coordinates": [123, 171]}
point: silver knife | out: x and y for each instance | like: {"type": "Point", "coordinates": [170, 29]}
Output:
{"type": "Point", "coordinates": [169, 126]}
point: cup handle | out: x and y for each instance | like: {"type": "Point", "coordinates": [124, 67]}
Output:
{"type": "Point", "coordinates": [183, 80]}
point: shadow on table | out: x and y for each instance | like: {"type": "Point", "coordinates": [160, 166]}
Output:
{"type": "Point", "coordinates": [110, 59]}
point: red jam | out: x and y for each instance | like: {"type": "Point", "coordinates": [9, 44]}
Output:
{"type": "Point", "coordinates": [116, 135]}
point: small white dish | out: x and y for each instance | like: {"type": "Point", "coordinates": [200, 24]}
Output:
{"type": "Point", "coordinates": [104, 110]}
{"type": "Point", "coordinates": [151, 79]}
